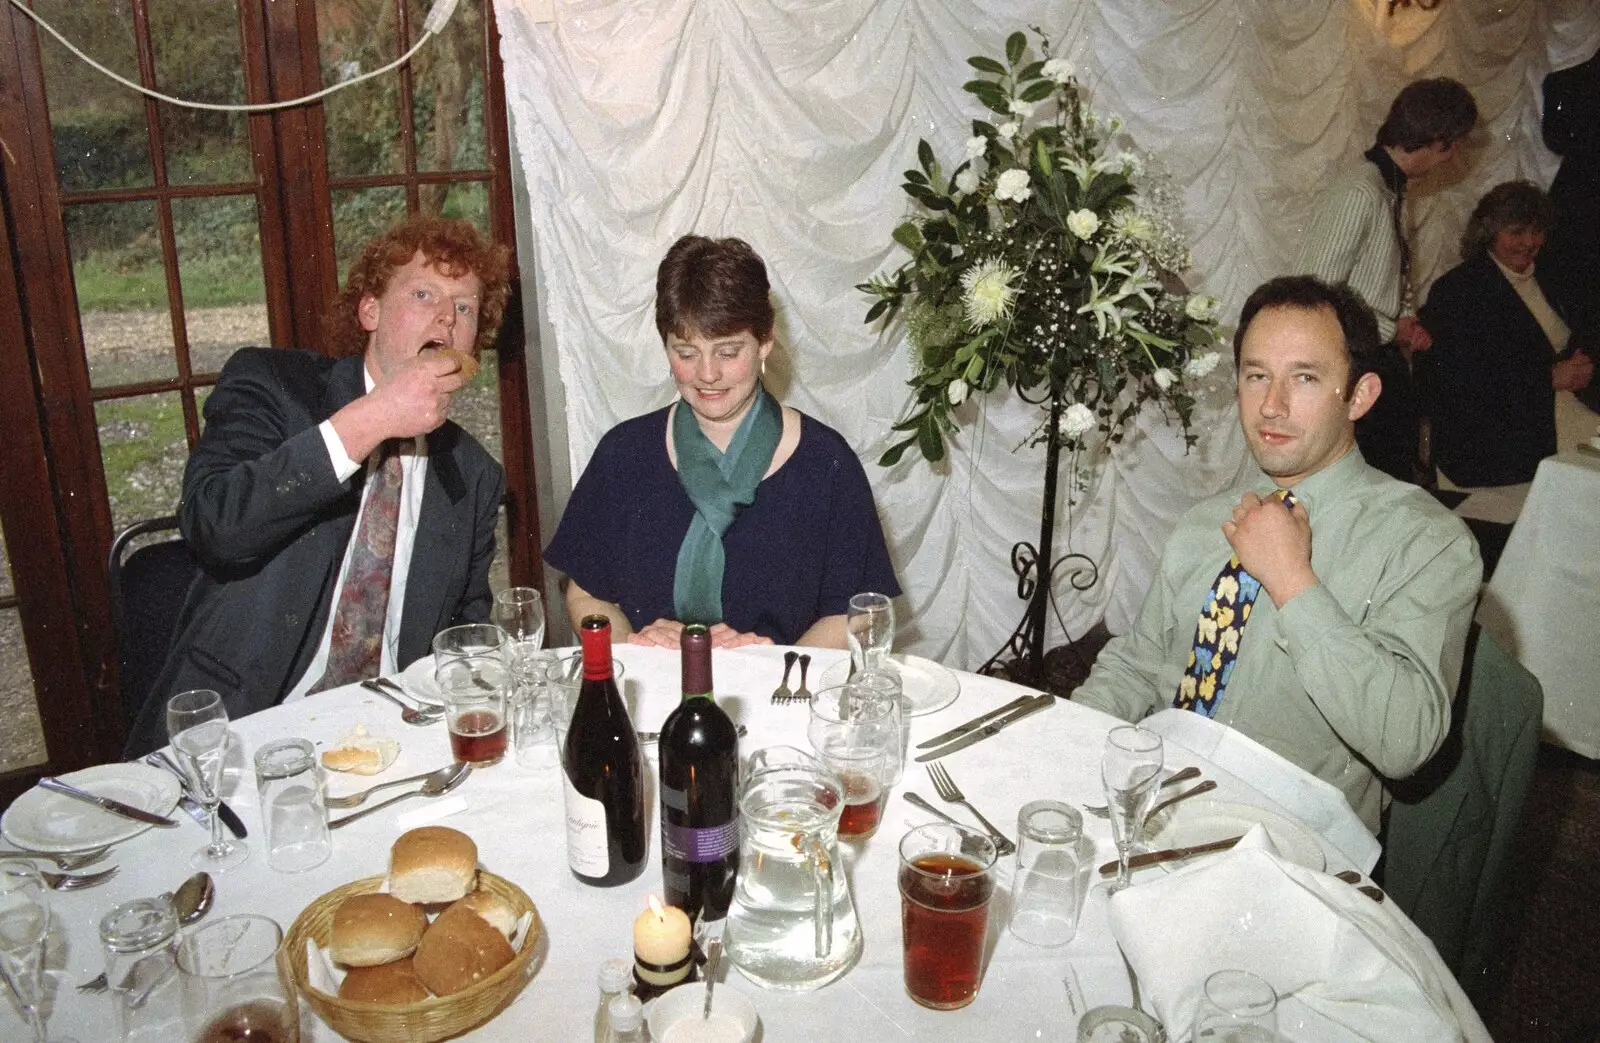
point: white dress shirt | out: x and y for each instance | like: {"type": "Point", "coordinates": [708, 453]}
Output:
{"type": "Point", "coordinates": [413, 469]}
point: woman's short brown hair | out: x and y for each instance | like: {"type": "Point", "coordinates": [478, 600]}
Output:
{"type": "Point", "coordinates": [713, 287]}
{"type": "Point", "coordinates": [1429, 112]}
{"type": "Point", "coordinates": [456, 248]}
{"type": "Point", "coordinates": [1510, 204]}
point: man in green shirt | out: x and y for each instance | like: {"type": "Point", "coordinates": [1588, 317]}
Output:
{"type": "Point", "coordinates": [1362, 586]}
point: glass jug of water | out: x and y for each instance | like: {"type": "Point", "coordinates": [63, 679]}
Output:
{"type": "Point", "coordinates": [793, 923]}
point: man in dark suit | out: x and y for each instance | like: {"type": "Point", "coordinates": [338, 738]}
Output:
{"type": "Point", "coordinates": [340, 518]}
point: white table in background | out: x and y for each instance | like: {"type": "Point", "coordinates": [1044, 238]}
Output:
{"type": "Point", "coordinates": [515, 816]}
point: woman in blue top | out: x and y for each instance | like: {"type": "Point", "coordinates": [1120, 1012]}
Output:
{"type": "Point", "coordinates": [724, 508]}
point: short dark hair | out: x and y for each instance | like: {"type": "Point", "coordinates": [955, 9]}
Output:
{"type": "Point", "coordinates": [1510, 204]}
{"type": "Point", "coordinates": [1308, 293]}
{"type": "Point", "coordinates": [714, 287]}
{"type": "Point", "coordinates": [454, 247]}
{"type": "Point", "coordinates": [1429, 112]}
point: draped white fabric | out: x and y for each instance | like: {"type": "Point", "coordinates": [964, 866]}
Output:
{"type": "Point", "coordinates": [788, 122]}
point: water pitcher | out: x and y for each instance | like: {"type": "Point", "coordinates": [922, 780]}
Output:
{"type": "Point", "coordinates": [792, 924]}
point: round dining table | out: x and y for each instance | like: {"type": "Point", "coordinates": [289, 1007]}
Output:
{"type": "Point", "coordinates": [515, 815]}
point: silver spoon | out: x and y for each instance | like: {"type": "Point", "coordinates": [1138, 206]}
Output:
{"type": "Point", "coordinates": [358, 798]}
{"type": "Point", "coordinates": [407, 714]}
{"type": "Point", "coordinates": [440, 782]}
{"type": "Point", "coordinates": [1101, 811]}
{"type": "Point", "coordinates": [1205, 787]}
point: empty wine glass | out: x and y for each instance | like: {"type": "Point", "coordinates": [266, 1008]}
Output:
{"type": "Point", "coordinates": [1130, 768]}
{"type": "Point", "coordinates": [869, 625]}
{"type": "Point", "coordinates": [520, 613]}
{"type": "Point", "coordinates": [197, 724]}
{"type": "Point", "coordinates": [24, 923]}
{"type": "Point", "coordinates": [1236, 1007]}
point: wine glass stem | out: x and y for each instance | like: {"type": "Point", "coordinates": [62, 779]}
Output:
{"type": "Point", "coordinates": [1123, 873]}
{"type": "Point", "coordinates": [219, 844]}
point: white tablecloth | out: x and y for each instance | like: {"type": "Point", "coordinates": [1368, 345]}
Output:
{"type": "Point", "coordinates": [516, 817]}
{"type": "Point", "coordinates": [1543, 601]}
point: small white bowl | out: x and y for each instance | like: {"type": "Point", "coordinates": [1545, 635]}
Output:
{"type": "Point", "coordinates": [729, 1007]}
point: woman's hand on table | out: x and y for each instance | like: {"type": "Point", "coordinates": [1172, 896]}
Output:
{"type": "Point", "coordinates": [1572, 374]}
{"type": "Point", "coordinates": [668, 633]}
{"type": "Point", "coordinates": [724, 636]}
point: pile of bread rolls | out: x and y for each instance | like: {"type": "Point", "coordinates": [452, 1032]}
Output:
{"type": "Point", "coordinates": [394, 954]}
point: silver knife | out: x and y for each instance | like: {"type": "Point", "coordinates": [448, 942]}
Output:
{"type": "Point", "coordinates": [977, 722]}
{"type": "Point", "coordinates": [116, 807]}
{"type": "Point", "coordinates": [1034, 705]}
{"type": "Point", "coordinates": [159, 759]}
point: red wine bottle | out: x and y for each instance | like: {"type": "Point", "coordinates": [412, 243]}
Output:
{"type": "Point", "coordinates": [699, 798]}
{"type": "Point", "coordinates": [603, 772]}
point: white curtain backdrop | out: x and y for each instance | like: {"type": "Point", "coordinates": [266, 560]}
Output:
{"type": "Point", "coordinates": [787, 123]}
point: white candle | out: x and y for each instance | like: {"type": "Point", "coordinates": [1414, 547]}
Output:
{"type": "Point", "coordinates": [661, 938]}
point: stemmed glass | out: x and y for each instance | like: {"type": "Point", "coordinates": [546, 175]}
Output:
{"type": "Point", "coordinates": [197, 724]}
{"type": "Point", "coordinates": [520, 613]}
{"type": "Point", "coordinates": [869, 626]}
{"type": "Point", "coordinates": [1130, 768]}
{"type": "Point", "coordinates": [24, 923]}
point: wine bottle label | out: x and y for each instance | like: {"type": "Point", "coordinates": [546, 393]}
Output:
{"type": "Point", "coordinates": [586, 832]}
{"type": "Point", "coordinates": [711, 844]}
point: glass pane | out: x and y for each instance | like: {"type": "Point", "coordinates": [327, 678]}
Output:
{"type": "Point", "coordinates": [363, 122]}
{"type": "Point", "coordinates": [144, 448]}
{"type": "Point", "coordinates": [21, 736]}
{"type": "Point", "coordinates": [122, 292]}
{"type": "Point", "coordinates": [6, 587]}
{"type": "Point", "coordinates": [359, 215]}
{"type": "Point", "coordinates": [196, 45]}
{"type": "Point", "coordinates": [447, 91]}
{"type": "Point", "coordinates": [462, 199]}
{"type": "Point", "coordinates": [219, 265]}
{"type": "Point", "coordinates": [98, 124]}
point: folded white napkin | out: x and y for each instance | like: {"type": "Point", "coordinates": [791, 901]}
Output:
{"type": "Point", "coordinates": [1344, 967]}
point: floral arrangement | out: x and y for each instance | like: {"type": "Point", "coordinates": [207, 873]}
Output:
{"type": "Point", "coordinates": [1041, 262]}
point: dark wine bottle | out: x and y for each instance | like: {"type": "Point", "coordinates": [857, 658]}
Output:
{"type": "Point", "coordinates": [699, 792]}
{"type": "Point", "coordinates": [603, 773]}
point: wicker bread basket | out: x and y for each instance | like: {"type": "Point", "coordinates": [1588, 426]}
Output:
{"type": "Point", "coordinates": [436, 1018]}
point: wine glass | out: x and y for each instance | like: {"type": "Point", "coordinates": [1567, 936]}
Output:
{"type": "Point", "coordinates": [520, 613]}
{"type": "Point", "coordinates": [1130, 767]}
{"type": "Point", "coordinates": [1236, 1007]}
{"type": "Point", "coordinates": [24, 923]}
{"type": "Point", "coordinates": [869, 625]}
{"type": "Point", "coordinates": [197, 724]}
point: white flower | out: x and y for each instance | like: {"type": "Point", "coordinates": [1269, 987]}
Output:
{"type": "Point", "coordinates": [1008, 129]}
{"type": "Point", "coordinates": [989, 293]}
{"type": "Point", "coordinates": [1013, 184]}
{"type": "Point", "coordinates": [967, 180]}
{"type": "Point", "coordinates": [1077, 421]}
{"type": "Point", "coordinates": [977, 145]}
{"type": "Point", "coordinates": [1134, 225]}
{"type": "Point", "coordinates": [1132, 165]}
{"type": "Point", "coordinates": [1082, 223]}
{"type": "Point", "coordinates": [1057, 69]}
{"type": "Point", "coordinates": [1200, 307]}
{"type": "Point", "coordinates": [1021, 109]}
{"type": "Point", "coordinates": [1202, 364]}
{"type": "Point", "coordinates": [1164, 378]}
{"type": "Point", "coordinates": [957, 391]}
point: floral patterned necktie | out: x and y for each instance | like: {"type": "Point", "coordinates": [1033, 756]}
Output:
{"type": "Point", "coordinates": [1217, 635]}
{"type": "Point", "coordinates": [355, 645]}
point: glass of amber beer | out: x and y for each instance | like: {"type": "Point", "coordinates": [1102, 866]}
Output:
{"type": "Point", "coordinates": [946, 881]}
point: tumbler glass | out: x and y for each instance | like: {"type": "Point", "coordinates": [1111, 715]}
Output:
{"type": "Point", "coordinates": [855, 734]}
{"type": "Point", "coordinates": [1236, 1007]}
{"type": "Point", "coordinates": [946, 881]}
{"type": "Point", "coordinates": [566, 680]}
{"type": "Point", "coordinates": [140, 939]}
{"type": "Point", "coordinates": [471, 668]}
{"type": "Point", "coordinates": [1045, 896]}
{"type": "Point", "coordinates": [885, 685]}
{"type": "Point", "coordinates": [533, 729]}
{"type": "Point", "coordinates": [294, 809]}
{"type": "Point", "coordinates": [231, 986]}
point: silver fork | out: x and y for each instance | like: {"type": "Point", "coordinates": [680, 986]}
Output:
{"type": "Point", "coordinates": [69, 882]}
{"type": "Point", "coordinates": [803, 694]}
{"type": "Point", "coordinates": [1101, 811]}
{"type": "Point", "coordinates": [77, 860]}
{"type": "Point", "coordinates": [783, 693]}
{"type": "Point", "coordinates": [948, 792]}
{"type": "Point", "coordinates": [408, 714]}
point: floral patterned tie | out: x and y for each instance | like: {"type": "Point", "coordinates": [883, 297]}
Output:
{"type": "Point", "coordinates": [355, 645]}
{"type": "Point", "coordinates": [1217, 635]}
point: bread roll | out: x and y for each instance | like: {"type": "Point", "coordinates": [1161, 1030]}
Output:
{"type": "Point", "coordinates": [360, 753]}
{"type": "Point", "coordinates": [459, 950]}
{"type": "Point", "coordinates": [389, 983]}
{"type": "Point", "coordinates": [463, 359]}
{"type": "Point", "coordinates": [432, 864]}
{"type": "Point", "coordinates": [495, 910]}
{"type": "Point", "coordinates": [373, 929]}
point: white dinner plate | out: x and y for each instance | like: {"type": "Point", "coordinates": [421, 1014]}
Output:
{"type": "Point", "coordinates": [1202, 821]}
{"type": "Point", "coordinates": [43, 821]}
{"type": "Point", "coordinates": [417, 680]}
{"type": "Point", "coordinates": [926, 685]}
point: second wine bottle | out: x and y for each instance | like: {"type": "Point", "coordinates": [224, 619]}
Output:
{"type": "Point", "coordinates": [603, 772]}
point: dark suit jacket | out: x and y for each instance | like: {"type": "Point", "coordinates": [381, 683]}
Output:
{"type": "Point", "coordinates": [1488, 375]}
{"type": "Point", "coordinates": [269, 522]}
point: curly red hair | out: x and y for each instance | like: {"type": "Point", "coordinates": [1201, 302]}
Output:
{"type": "Point", "coordinates": [456, 248]}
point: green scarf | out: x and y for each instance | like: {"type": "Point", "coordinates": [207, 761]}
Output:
{"type": "Point", "coordinates": [720, 484]}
